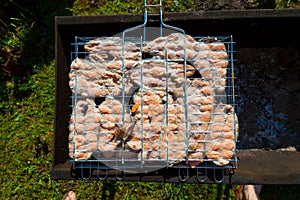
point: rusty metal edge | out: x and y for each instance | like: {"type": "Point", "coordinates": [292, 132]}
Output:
{"type": "Point", "coordinates": [182, 16]}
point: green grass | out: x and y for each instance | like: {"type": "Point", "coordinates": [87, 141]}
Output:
{"type": "Point", "coordinates": [100, 7]}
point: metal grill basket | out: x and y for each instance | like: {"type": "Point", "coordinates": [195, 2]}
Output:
{"type": "Point", "coordinates": [151, 98]}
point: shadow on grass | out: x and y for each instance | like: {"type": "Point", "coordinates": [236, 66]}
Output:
{"type": "Point", "coordinates": [109, 189]}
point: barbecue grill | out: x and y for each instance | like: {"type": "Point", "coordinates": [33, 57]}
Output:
{"type": "Point", "coordinates": [81, 52]}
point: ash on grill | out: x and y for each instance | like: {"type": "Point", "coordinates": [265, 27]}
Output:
{"type": "Point", "coordinates": [169, 99]}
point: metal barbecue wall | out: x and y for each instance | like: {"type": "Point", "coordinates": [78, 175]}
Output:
{"type": "Point", "coordinates": [251, 29]}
